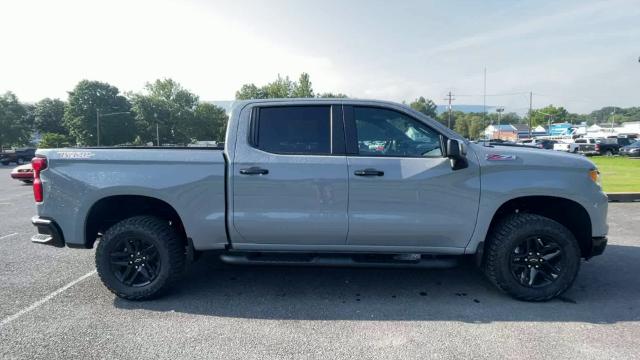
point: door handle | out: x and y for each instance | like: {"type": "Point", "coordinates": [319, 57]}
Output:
{"type": "Point", "coordinates": [254, 170]}
{"type": "Point", "coordinates": [368, 172]}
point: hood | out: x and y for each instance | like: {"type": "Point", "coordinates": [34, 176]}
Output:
{"type": "Point", "coordinates": [528, 156]}
{"type": "Point", "coordinates": [23, 167]}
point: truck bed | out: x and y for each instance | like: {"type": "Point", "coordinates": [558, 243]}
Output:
{"type": "Point", "coordinates": [191, 180]}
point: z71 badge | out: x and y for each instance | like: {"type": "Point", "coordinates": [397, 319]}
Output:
{"type": "Point", "coordinates": [500, 157]}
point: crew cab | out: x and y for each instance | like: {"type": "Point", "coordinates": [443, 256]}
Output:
{"type": "Point", "coordinates": [325, 182]}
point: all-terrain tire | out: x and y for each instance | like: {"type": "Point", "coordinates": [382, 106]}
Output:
{"type": "Point", "coordinates": [152, 230]}
{"type": "Point", "coordinates": [512, 231]}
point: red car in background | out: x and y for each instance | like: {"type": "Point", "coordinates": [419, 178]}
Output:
{"type": "Point", "coordinates": [23, 173]}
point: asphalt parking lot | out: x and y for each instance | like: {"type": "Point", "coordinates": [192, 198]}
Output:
{"type": "Point", "coordinates": [52, 305]}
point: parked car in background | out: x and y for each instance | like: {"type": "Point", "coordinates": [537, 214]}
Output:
{"type": "Point", "coordinates": [611, 146]}
{"type": "Point", "coordinates": [587, 146]}
{"type": "Point", "coordinates": [23, 173]}
{"type": "Point", "coordinates": [17, 156]}
{"type": "Point", "coordinates": [632, 149]}
{"type": "Point", "coordinates": [567, 146]}
{"type": "Point", "coordinates": [539, 143]}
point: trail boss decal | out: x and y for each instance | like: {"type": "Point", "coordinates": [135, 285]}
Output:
{"type": "Point", "coordinates": [76, 155]}
{"type": "Point", "coordinates": [500, 157]}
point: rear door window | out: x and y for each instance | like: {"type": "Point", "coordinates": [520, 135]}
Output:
{"type": "Point", "coordinates": [304, 130]}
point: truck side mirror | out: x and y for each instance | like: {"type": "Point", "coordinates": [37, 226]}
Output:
{"type": "Point", "coordinates": [456, 153]}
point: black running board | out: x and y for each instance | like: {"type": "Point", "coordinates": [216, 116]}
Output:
{"type": "Point", "coordinates": [337, 260]}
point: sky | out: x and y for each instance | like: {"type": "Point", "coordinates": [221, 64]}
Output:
{"type": "Point", "coordinates": [578, 54]}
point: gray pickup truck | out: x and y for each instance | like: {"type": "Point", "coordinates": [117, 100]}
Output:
{"type": "Point", "coordinates": [325, 182]}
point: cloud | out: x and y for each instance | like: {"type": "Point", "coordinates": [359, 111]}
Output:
{"type": "Point", "coordinates": [535, 25]}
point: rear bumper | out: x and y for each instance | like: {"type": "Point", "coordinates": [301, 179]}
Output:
{"type": "Point", "coordinates": [49, 232]}
{"type": "Point", "coordinates": [598, 244]}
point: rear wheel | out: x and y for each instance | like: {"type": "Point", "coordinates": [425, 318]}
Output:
{"type": "Point", "coordinates": [608, 153]}
{"type": "Point", "coordinates": [532, 257]}
{"type": "Point", "coordinates": [20, 161]}
{"type": "Point", "coordinates": [140, 257]}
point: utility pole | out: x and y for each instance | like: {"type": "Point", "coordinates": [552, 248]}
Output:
{"type": "Point", "coordinates": [157, 135]}
{"type": "Point", "coordinates": [449, 98]}
{"type": "Point", "coordinates": [98, 126]}
{"type": "Point", "coordinates": [530, 111]}
{"type": "Point", "coordinates": [613, 117]}
{"type": "Point", "coordinates": [484, 100]}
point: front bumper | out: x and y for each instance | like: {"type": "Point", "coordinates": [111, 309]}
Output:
{"type": "Point", "coordinates": [22, 175]}
{"type": "Point", "coordinates": [49, 232]}
{"type": "Point", "coordinates": [598, 244]}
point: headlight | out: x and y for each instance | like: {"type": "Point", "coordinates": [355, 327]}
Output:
{"type": "Point", "coordinates": [594, 174]}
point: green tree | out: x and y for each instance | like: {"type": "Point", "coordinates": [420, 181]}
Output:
{"type": "Point", "coordinates": [331, 95]}
{"type": "Point", "coordinates": [303, 88]}
{"type": "Point", "coordinates": [166, 109]}
{"type": "Point", "coordinates": [53, 140]}
{"type": "Point", "coordinates": [250, 91]}
{"type": "Point", "coordinates": [283, 87]}
{"type": "Point", "coordinates": [81, 114]}
{"type": "Point", "coordinates": [210, 122]}
{"type": "Point", "coordinates": [174, 113]}
{"type": "Point", "coordinates": [15, 129]}
{"type": "Point", "coordinates": [469, 125]}
{"type": "Point", "coordinates": [280, 88]}
{"type": "Point", "coordinates": [48, 116]}
{"type": "Point", "coordinates": [425, 106]}
{"type": "Point", "coordinates": [505, 118]}
{"type": "Point", "coordinates": [549, 114]}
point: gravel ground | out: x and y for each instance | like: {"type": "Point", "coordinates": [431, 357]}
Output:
{"type": "Point", "coordinates": [219, 311]}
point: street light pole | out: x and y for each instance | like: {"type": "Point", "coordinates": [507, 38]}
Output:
{"type": "Point", "coordinates": [550, 116]}
{"type": "Point", "coordinates": [104, 115]}
{"type": "Point", "coordinates": [499, 110]}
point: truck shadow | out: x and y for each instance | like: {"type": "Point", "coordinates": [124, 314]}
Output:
{"type": "Point", "coordinates": [606, 291]}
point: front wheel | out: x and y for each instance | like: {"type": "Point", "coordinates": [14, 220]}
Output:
{"type": "Point", "coordinates": [140, 257]}
{"type": "Point", "coordinates": [531, 257]}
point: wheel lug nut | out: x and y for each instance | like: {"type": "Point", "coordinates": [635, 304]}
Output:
{"type": "Point", "coordinates": [529, 266]}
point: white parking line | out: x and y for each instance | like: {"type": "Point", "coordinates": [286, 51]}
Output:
{"type": "Point", "coordinates": [16, 196]}
{"type": "Point", "coordinates": [6, 236]}
{"type": "Point", "coordinates": [42, 301]}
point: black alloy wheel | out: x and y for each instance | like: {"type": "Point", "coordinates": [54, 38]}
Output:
{"type": "Point", "coordinates": [537, 262]}
{"type": "Point", "coordinates": [135, 262]}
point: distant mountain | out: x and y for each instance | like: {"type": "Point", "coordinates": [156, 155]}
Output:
{"type": "Point", "coordinates": [464, 108]}
{"type": "Point", "coordinates": [226, 105]}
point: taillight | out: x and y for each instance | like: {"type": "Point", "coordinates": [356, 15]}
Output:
{"type": "Point", "coordinates": [597, 147]}
{"type": "Point", "coordinates": [38, 164]}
